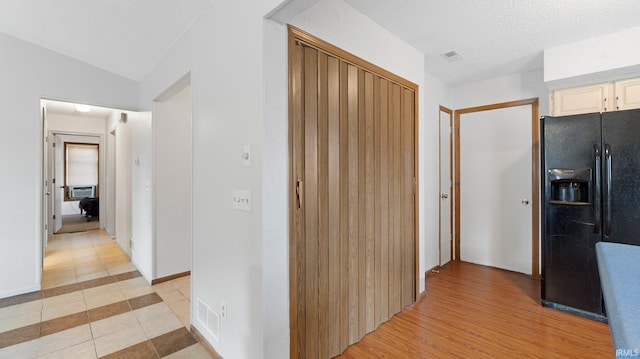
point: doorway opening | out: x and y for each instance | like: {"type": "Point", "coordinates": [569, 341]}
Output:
{"type": "Point", "coordinates": [172, 181]}
{"type": "Point", "coordinates": [77, 178]}
{"type": "Point", "coordinates": [497, 186]}
{"type": "Point", "coordinates": [172, 193]}
{"type": "Point", "coordinates": [74, 166]}
{"type": "Point", "coordinates": [76, 183]}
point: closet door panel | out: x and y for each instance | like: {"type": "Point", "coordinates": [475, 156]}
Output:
{"type": "Point", "coordinates": [334, 206]}
{"type": "Point", "coordinates": [382, 193]}
{"type": "Point", "coordinates": [395, 202]}
{"type": "Point", "coordinates": [353, 160]}
{"type": "Point", "coordinates": [352, 225]}
{"type": "Point", "coordinates": [310, 195]}
{"type": "Point", "coordinates": [345, 201]}
{"type": "Point", "coordinates": [297, 270]}
{"type": "Point", "coordinates": [323, 207]}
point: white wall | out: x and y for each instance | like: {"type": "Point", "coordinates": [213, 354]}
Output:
{"type": "Point", "coordinates": [172, 184]}
{"type": "Point", "coordinates": [600, 59]}
{"type": "Point", "coordinates": [28, 74]}
{"type": "Point", "coordinates": [275, 246]}
{"type": "Point", "coordinates": [75, 124]}
{"type": "Point", "coordinates": [123, 166]}
{"type": "Point", "coordinates": [139, 123]}
{"type": "Point", "coordinates": [132, 205]}
{"type": "Point", "coordinates": [436, 94]}
{"type": "Point", "coordinates": [513, 87]}
{"type": "Point", "coordinates": [110, 163]}
{"type": "Point", "coordinates": [228, 113]}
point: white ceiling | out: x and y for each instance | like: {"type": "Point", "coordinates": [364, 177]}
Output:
{"type": "Point", "coordinates": [496, 37]}
{"type": "Point", "coordinates": [126, 37]}
{"type": "Point", "coordinates": [69, 109]}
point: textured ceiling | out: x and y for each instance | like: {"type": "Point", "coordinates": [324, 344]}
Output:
{"type": "Point", "coordinates": [496, 37]}
{"type": "Point", "coordinates": [126, 37]}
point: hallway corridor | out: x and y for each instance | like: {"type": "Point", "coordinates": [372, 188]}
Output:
{"type": "Point", "coordinates": [95, 304]}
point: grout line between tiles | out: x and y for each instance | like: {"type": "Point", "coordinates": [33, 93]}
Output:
{"type": "Point", "coordinates": [80, 258]}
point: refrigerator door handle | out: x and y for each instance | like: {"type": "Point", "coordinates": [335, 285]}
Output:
{"type": "Point", "coordinates": [607, 194]}
{"type": "Point", "coordinates": [596, 202]}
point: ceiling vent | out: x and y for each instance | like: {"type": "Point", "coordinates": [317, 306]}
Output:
{"type": "Point", "coordinates": [452, 56]}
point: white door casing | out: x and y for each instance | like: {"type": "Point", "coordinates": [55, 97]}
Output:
{"type": "Point", "coordinates": [58, 183]}
{"type": "Point", "coordinates": [46, 192]}
{"type": "Point", "coordinates": [496, 188]}
{"type": "Point", "coordinates": [445, 188]}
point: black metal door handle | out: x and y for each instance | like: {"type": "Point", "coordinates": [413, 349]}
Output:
{"type": "Point", "coordinates": [607, 193]}
{"type": "Point", "coordinates": [598, 189]}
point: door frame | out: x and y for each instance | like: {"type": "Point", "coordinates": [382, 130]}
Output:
{"type": "Point", "coordinates": [535, 173]}
{"type": "Point", "coordinates": [76, 137]}
{"type": "Point", "coordinates": [297, 35]}
{"type": "Point", "coordinates": [46, 193]}
{"type": "Point", "coordinates": [450, 112]}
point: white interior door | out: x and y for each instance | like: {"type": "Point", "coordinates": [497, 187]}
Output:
{"type": "Point", "coordinates": [58, 182]}
{"type": "Point", "coordinates": [496, 188]}
{"type": "Point", "coordinates": [445, 188]}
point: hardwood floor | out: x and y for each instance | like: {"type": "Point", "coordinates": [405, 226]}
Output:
{"type": "Point", "coordinates": [472, 311]}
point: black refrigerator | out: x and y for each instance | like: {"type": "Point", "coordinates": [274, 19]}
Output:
{"type": "Point", "coordinates": [590, 193]}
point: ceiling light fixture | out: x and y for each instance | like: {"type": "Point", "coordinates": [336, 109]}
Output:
{"type": "Point", "coordinates": [83, 108]}
{"type": "Point", "coordinates": [452, 56]}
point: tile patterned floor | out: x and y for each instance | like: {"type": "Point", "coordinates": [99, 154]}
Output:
{"type": "Point", "coordinates": [95, 304]}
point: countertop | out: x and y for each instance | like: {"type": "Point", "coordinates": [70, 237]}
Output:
{"type": "Point", "coordinates": [619, 269]}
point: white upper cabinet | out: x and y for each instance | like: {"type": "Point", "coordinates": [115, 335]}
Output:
{"type": "Point", "coordinates": [603, 97]}
{"type": "Point", "coordinates": [627, 94]}
{"type": "Point", "coordinates": [584, 99]}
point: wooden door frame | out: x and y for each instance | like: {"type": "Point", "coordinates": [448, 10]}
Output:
{"type": "Point", "coordinates": [535, 173]}
{"type": "Point", "coordinates": [450, 112]}
{"type": "Point", "coordinates": [296, 35]}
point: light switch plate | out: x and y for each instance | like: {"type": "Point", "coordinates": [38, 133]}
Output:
{"type": "Point", "coordinates": [246, 156]}
{"type": "Point", "coordinates": [241, 200]}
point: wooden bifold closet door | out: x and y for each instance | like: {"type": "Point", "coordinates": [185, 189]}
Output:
{"type": "Point", "coordinates": [353, 209]}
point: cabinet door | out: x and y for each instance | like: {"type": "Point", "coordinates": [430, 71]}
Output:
{"type": "Point", "coordinates": [627, 94]}
{"type": "Point", "coordinates": [578, 100]}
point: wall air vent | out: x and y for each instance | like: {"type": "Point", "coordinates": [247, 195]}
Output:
{"type": "Point", "coordinates": [209, 319]}
{"type": "Point", "coordinates": [452, 56]}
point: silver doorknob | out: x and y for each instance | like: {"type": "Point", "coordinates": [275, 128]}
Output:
{"type": "Point", "coordinates": [444, 195]}
{"type": "Point", "coordinates": [525, 202]}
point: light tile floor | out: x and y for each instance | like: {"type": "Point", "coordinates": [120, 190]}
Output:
{"type": "Point", "coordinates": [95, 304]}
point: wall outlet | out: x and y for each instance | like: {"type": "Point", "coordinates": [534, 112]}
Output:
{"type": "Point", "coordinates": [223, 311]}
